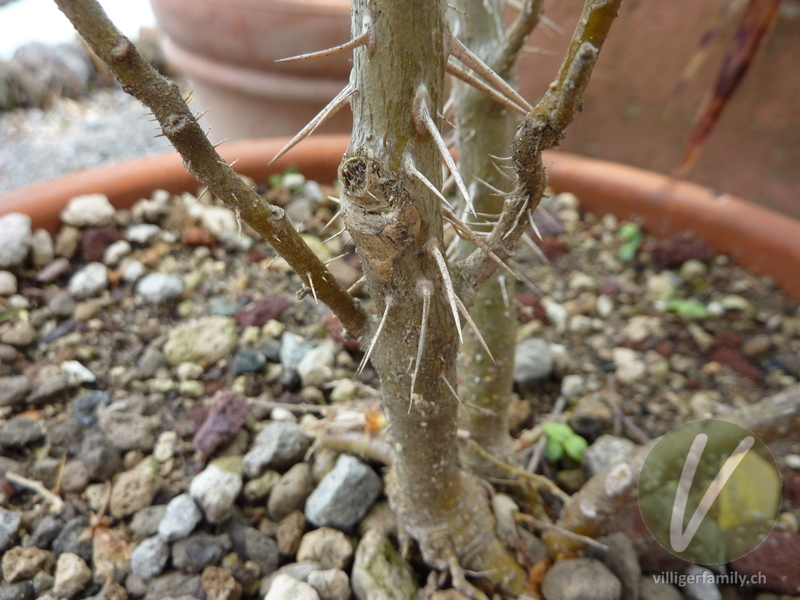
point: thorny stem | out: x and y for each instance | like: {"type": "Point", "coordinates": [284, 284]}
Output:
{"type": "Point", "coordinates": [163, 98]}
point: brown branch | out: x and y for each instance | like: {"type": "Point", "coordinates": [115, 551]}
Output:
{"type": "Point", "coordinates": [543, 128]}
{"type": "Point", "coordinates": [164, 99]}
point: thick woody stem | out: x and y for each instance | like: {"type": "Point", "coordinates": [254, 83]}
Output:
{"type": "Point", "coordinates": [164, 99]}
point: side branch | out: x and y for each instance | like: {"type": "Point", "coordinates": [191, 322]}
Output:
{"type": "Point", "coordinates": [526, 21]}
{"type": "Point", "coordinates": [542, 129]}
{"type": "Point", "coordinates": [163, 98]}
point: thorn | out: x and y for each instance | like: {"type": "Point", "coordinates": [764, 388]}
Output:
{"type": "Point", "coordinates": [334, 199]}
{"type": "Point", "coordinates": [465, 55]}
{"type": "Point", "coordinates": [414, 172]}
{"type": "Point", "coordinates": [221, 142]}
{"type": "Point", "coordinates": [537, 50]}
{"type": "Point", "coordinates": [468, 319]}
{"type": "Point", "coordinates": [326, 113]}
{"type": "Point", "coordinates": [330, 260]}
{"type": "Point", "coordinates": [201, 114]}
{"type": "Point", "coordinates": [542, 256]}
{"type": "Point", "coordinates": [504, 158]}
{"type": "Point", "coordinates": [453, 125]}
{"type": "Point", "coordinates": [500, 170]}
{"type": "Point", "coordinates": [458, 10]}
{"type": "Point", "coordinates": [374, 339]}
{"type": "Point", "coordinates": [451, 388]}
{"type": "Point", "coordinates": [426, 122]}
{"type": "Point", "coordinates": [203, 193]}
{"type": "Point", "coordinates": [531, 286]}
{"type": "Point", "coordinates": [535, 226]}
{"type": "Point", "coordinates": [466, 234]}
{"type": "Point", "coordinates": [547, 22]}
{"type": "Point", "coordinates": [358, 283]}
{"type": "Point", "coordinates": [340, 232]}
{"type": "Point", "coordinates": [311, 285]}
{"type": "Point", "coordinates": [425, 289]}
{"type": "Point", "coordinates": [490, 187]}
{"type": "Point", "coordinates": [188, 96]}
{"type": "Point", "coordinates": [332, 219]}
{"type": "Point", "coordinates": [448, 287]}
{"type": "Point", "coordinates": [158, 135]}
{"type": "Point", "coordinates": [350, 45]}
{"type": "Point", "coordinates": [234, 162]}
{"type": "Point", "coordinates": [504, 290]}
{"type": "Point", "coordinates": [479, 85]}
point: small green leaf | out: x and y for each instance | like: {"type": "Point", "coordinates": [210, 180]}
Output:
{"type": "Point", "coordinates": [291, 169]}
{"type": "Point", "coordinates": [631, 235]}
{"type": "Point", "coordinates": [275, 180]}
{"type": "Point", "coordinates": [558, 431]}
{"type": "Point", "coordinates": [574, 447]}
{"type": "Point", "coordinates": [553, 450]}
{"type": "Point", "coordinates": [688, 309]}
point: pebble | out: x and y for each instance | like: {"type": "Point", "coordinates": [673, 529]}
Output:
{"type": "Point", "coordinates": [290, 532]}
{"type": "Point", "coordinates": [66, 243]}
{"type": "Point", "coordinates": [8, 354]}
{"type": "Point", "coordinates": [89, 210]}
{"type": "Point", "coordinates": [219, 584]}
{"type": "Point", "coordinates": [605, 451]}
{"type": "Point", "coordinates": [278, 446]}
{"type": "Point", "coordinates": [61, 304]}
{"type": "Point", "coordinates": [76, 373]}
{"type": "Point", "coordinates": [134, 490]}
{"type": "Point", "coordinates": [143, 234]}
{"type": "Point", "coordinates": [580, 579]}
{"type": "Point", "coordinates": [116, 252]}
{"type": "Point", "coordinates": [259, 488]}
{"type": "Point", "coordinates": [293, 350]}
{"type": "Point", "coordinates": [52, 388]}
{"type": "Point", "coordinates": [591, 417]}
{"type": "Point", "coordinates": [693, 270]}
{"type": "Point", "coordinates": [344, 391]}
{"type": "Point", "coordinates": [23, 563]}
{"type": "Point", "coordinates": [8, 284]}
{"type": "Point", "coordinates": [344, 495]}
{"type": "Point", "coordinates": [285, 587]}
{"type": "Point", "coordinates": [15, 239]}
{"type": "Point", "coordinates": [331, 584]}
{"type": "Point", "coordinates": [204, 341]}
{"type": "Point", "coordinates": [95, 242]}
{"type": "Point", "coordinates": [165, 447]}
{"type": "Point", "coordinates": [75, 477]}
{"type": "Point", "coordinates": [100, 456]}
{"type": "Point", "coordinates": [700, 584]}
{"type": "Point", "coordinates": [72, 575]}
{"type": "Point", "coordinates": [249, 361]}
{"type": "Point", "coordinates": [150, 557]}
{"type": "Point", "coordinates": [70, 539]}
{"type": "Point", "coordinates": [250, 544]}
{"type": "Point", "coordinates": [650, 589]}
{"type": "Point", "coordinates": [42, 249]}
{"type": "Point", "coordinates": [216, 219]}
{"type": "Point", "coordinates": [158, 287]}
{"type": "Point", "coordinates": [215, 491]}
{"type": "Point", "coordinates": [174, 585]}
{"type": "Point", "coordinates": [533, 363]}
{"type": "Point", "coordinates": [199, 550]}
{"type": "Point", "coordinates": [22, 590]}
{"type": "Point", "coordinates": [13, 389]}
{"type": "Point", "coordinates": [89, 281]}
{"type": "Point", "coordinates": [316, 367]}
{"type": "Point", "coordinates": [572, 386]}
{"type": "Point", "coordinates": [132, 270]}
{"type": "Point", "coordinates": [18, 432]}
{"type": "Point", "coordinates": [45, 532]}
{"type": "Point", "coordinates": [622, 560]}
{"type": "Point", "coordinates": [330, 548]}
{"type": "Point", "coordinates": [84, 407]}
{"type": "Point", "coordinates": [379, 572]}
{"type": "Point", "coordinates": [630, 367]}
{"type": "Point", "coordinates": [291, 491]}
{"type": "Point", "coordinates": [180, 518]}
{"type": "Point", "coordinates": [20, 335]}
{"type": "Point", "coordinates": [127, 430]}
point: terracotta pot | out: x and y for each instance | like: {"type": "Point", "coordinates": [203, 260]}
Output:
{"type": "Point", "coordinates": [755, 237]}
{"type": "Point", "coordinates": [228, 49]}
{"type": "Point", "coordinates": [633, 115]}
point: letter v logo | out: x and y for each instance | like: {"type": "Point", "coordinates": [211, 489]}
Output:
{"type": "Point", "coordinates": [679, 539]}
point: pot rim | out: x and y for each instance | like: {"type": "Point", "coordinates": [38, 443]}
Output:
{"type": "Point", "coordinates": [755, 237]}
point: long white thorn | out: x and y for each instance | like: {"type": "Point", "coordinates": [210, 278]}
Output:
{"type": "Point", "coordinates": [466, 234]}
{"type": "Point", "coordinates": [542, 256]}
{"type": "Point", "coordinates": [374, 340]}
{"type": "Point", "coordinates": [425, 289]}
{"type": "Point", "coordinates": [479, 85]}
{"type": "Point", "coordinates": [465, 55]}
{"type": "Point", "coordinates": [332, 219]}
{"type": "Point", "coordinates": [451, 388]}
{"type": "Point", "coordinates": [535, 226]}
{"type": "Point", "coordinates": [360, 40]}
{"type": "Point", "coordinates": [490, 187]}
{"type": "Point", "coordinates": [448, 286]}
{"type": "Point", "coordinates": [468, 319]}
{"type": "Point", "coordinates": [358, 283]}
{"type": "Point", "coordinates": [326, 113]}
{"type": "Point", "coordinates": [425, 122]}
{"type": "Point", "coordinates": [313, 289]}
{"type": "Point", "coordinates": [412, 170]}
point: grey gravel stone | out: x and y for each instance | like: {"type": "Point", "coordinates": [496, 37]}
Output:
{"type": "Point", "coordinates": [251, 544]}
{"type": "Point", "coordinates": [278, 446]}
{"type": "Point", "coordinates": [62, 304]}
{"type": "Point", "coordinates": [158, 287]}
{"type": "Point", "coordinates": [145, 522]}
{"type": "Point", "coordinates": [89, 210]}
{"type": "Point", "coordinates": [69, 539]}
{"type": "Point", "coordinates": [9, 524]}
{"type": "Point", "coordinates": [331, 548]}
{"type": "Point", "coordinates": [8, 284]}
{"type": "Point", "coordinates": [100, 456]}
{"type": "Point", "coordinates": [72, 575]}
{"type": "Point", "coordinates": [215, 491]}
{"type": "Point", "coordinates": [331, 584]}
{"type": "Point", "coordinates": [622, 560]}
{"type": "Point", "coordinates": [52, 388]}
{"type": "Point", "coordinates": [293, 350]}
{"type": "Point", "coordinates": [175, 585]}
{"type": "Point", "coordinates": [45, 532]}
{"type": "Point", "coordinates": [134, 490]}
{"type": "Point", "coordinates": [150, 557]}
{"type": "Point", "coordinates": [700, 584]}
{"type": "Point", "coordinates": [84, 407]}
{"type": "Point", "coordinates": [344, 495]}
{"type": "Point", "coordinates": [22, 590]}
{"type": "Point", "coordinates": [127, 430]}
{"type": "Point", "coordinates": [379, 572]}
{"type": "Point", "coordinates": [180, 518]}
{"type": "Point", "coordinates": [13, 389]}
{"type": "Point", "coordinates": [606, 450]}
{"type": "Point", "coordinates": [15, 239]}
{"type": "Point", "coordinates": [204, 341]}
{"type": "Point", "coordinates": [19, 431]}
{"type": "Point", "coordinates": [143, 234]}
{"type": "Point", "coordinates": [581, 579]}
{"type": "Point", "coordinates": [649, 589]}
{"type": "Point", "coordinates": [89, 281]}
{"type": "Point", "coordinates": [285, 587]}
{"type": "Point", "coordinates": [42, 248]}
{"type": "Point", "coordinates": [150, 361]}
{"type": "Point", "coordinates": [199, 550]}
{"type": "Point", "coordinates": [533, 363]}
